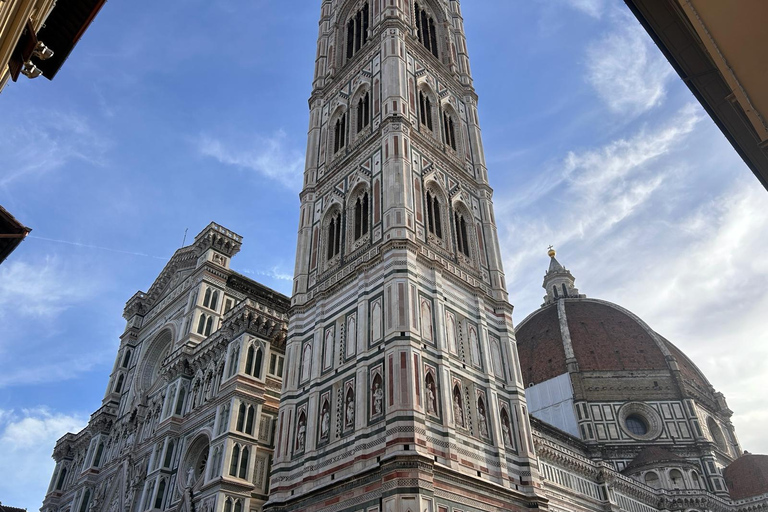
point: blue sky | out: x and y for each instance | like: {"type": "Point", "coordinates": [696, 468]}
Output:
{"type": "Point", "coordinates": [169, 115]}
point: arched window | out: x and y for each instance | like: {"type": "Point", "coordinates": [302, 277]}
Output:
{"type": "Point", "coordinates": [168, 455]}
{"type": "Point", "coordinates": [234, 461]}
{"type": "Point", "coordinates": [449, 130]}
{"type": "Point", "coordinates": [126, 359]}
{"type": "Point", "coordinates": [240, 418]}
{"type": "Point", "coordinates": [363, 112]}
{"type": "Point", "coordinates": [86, 499]}
{"type": "Point", "coordinates": [426, 30]}
{"type": "Point", "coordinates": [695, 482]}
{"type": "Point", "coordinates": [334, 236]}
{"type": "Point", "coordinates": [340, 133]}
{"type": "Point", "coordinates": [62, 477]}
{"type": "Point", "coordinates": [99, 453]}
{"type": "Point", "coordinates": [208, 326]}
{"type": "Point", "coordinates": [257, 365]}
{"type": "Point", "coordinates": [434, 223]}
{"type": "Point", "coordinates": [119, 385]}
{"type": "Point", "coordinates": [462, 240]}
{"type": "Point", "coordinates": [717, 434]}
{"type": "Point", "coordinates": [249, 356]}
{"type": "Point", "coordinates": [180, 402]}
{"type": "Point", "coordinates": [244, 463]}
{"type": "Point", "coordinates": [160, 494]}
{"type": "Point", "coordinates": [652, 480]}
{"type": "Point", "coordinates": [228, 505]}
{"type": "Point", "coordinates": [215, 300]}
{"type": "Point", "coordinates": [676, 477]}
{"type": "Point", "coordinates": [201, 325]}
{"type": "Point", "coordinates": [207, 298]}
{"type": "Point", "coordinates": [361, 216]}
{"type": "Point", "coordinates": [357, 30]}
{"type": "Point", "coordinates": [249, 420]}
{"type": "Point", "coordinates": [238, 506]}
{"type": "Point", "coordinates": [233, 360]}
{"type": "Point", "coordinates": [425, 110]}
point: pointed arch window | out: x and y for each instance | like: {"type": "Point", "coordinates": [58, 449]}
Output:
{"type": "Point", "coordinates": [168, 455]}
{"type": "Point", "coordinates": [244, 463]}
{"type": "Point", "coordinates": [434, 224]}
{"type": "Point", "coordinates": [361, 216]}
{"type": "Point", "coordinates": [228, 505]}
{"type": "Point", "coordinates": [235, 459]}
{"type": "Point", "coordinates": [62, 477]}
{"type": "Point", "coordinates": [340, 133]}
{"type": "Point", "coordinates": [126, 359]}
{"type": "Point", "coordinates": [160, 494]}
{"type": "Point", "coordinates": [250, 419]}
{"type": "Point", "coordinates": [119, 385]}
{"type": "Point", "coordinates": [208, 326]}
{"type": "Point", "coordinates": [425, 110]}
{"type": "Point", "coordinates": [207, 298]}
{"type": "Point", "coordinates": [180, 402]}
{"type": "Point", "coordinates": [240, 418]}
{"type": "Point", "coordinates": [449, 130]}
{"type": "Point", "coordinates": [363, 112]}
{"type": "Point", "coordinates": [426, 29]}
{"type": "Point", "coordinates": [238, 506]}
{"type": "Point", "coordinates": [334, 236]}
{"type": "Point", "coordinates": [215, 300]}
{"type": "Point", "coordinates": [462, 240]}
{"type": "Point", "coordinates": [99, 453]}
{"type": "Point", "coordinates": [85, 501]}
{"type": "Point", "coordinates": [357, 30]}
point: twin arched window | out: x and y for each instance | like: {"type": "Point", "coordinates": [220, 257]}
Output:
{"type": "Point", "coordinates": [340, 133]}
{"type": "Point", "coordinates": [434, 223]}
{"type": "Point", "coordinates": [361, 216]}
{"type": "Point", "coordinates": [334, 237]}
{"type": "Point", "coordinates": [205, 325]}
{"type": "Point", "coordinates": [449, 130]}
{"type": "Point", "coordinates": [426, 30]}
{"type": "Point", "coordinates": [462, 240]}
{"type": "Point", "coordinates": [245, 419]}
{"type": "Point", "coordinates": [253, 362]}
{"type": "Point", "coordinates": [357, 31]}
{"type": "Point", "coordinates": [211, 299]}
{"type": "Point", "coordinates": [238, 466]}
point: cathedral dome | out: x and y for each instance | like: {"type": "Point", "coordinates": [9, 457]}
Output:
{"type": "Point", "coordinates": [747, 476]}
{"type": "Point", "coordinates": [617, 354]}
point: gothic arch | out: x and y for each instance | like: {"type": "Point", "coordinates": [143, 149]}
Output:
{"type": "Point", "coordinates": [332, 227]}
{"type": "Point", "coordinates": [345, 13]}
{"type": "Point", "coordinates": [338, 131]}
{"type": "Point", "coordinates": [436, 214]}
{"type": "Point", "coordinates": [152, 359]}
{"type": "Point", "coordinates": [451, 135]}
{"type": "Point", "coordinates": [435, 33]}
{"type": "Point", "coordinates": [464, 238]}
{"type": "Point", "coordinates": [364, 91]}
{"type": "Point", "coordinates": [192, 469]}
{"type": "Point", "coordinates": [428, 108]}
{"type": "Point", "coordinates": [358, 216]}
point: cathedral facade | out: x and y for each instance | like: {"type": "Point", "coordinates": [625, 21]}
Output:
{"type": "Point", "coordinates": [393, 379]}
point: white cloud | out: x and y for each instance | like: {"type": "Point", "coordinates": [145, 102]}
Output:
{"type": "Point", "coordinates": [39, 142]}
{"type": "Point", "coordinates": [27, 439]}
{"type": "Point", "coordinates": [639, 222]}
{"type": "Point", "coordinates": [593, 8]}
{"type": "Point", "coordinates": [270, 157]}
{"type": "Point", "coordinates": [39, 289]}
{"type": "Point", "coordinates": [625, 68]}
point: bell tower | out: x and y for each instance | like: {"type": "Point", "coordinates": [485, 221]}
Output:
{"type": "Point", "coordinates": [403, 390]}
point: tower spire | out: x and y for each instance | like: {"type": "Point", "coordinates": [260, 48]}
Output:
{"type": "Point", "coordinates": [558, 281]}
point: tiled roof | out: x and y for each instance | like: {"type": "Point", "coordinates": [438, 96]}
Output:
{"type": "Point", "coordinates": [652, 455]}
{"type": "Point", "coordinates": [747, 476]}
{"type": "Point", "coordinates": [540, 347]}
{"type": "Point", "coordinates": [604, 337]}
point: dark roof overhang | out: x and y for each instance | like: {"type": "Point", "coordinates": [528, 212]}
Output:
{"type": "Point", "coordinates": [12, 233]}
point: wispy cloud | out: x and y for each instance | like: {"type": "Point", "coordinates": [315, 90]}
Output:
{"type": "Point", "coordinates": [270, 157]}
{"type": "Point", "coordinates": [629, 74]}
{"type": "Point", "coordinates": [45, 145]}
{"type": "Point", "coordinates": [593, 8]}
{"type": "Point", "coordinates": [27, 438]}
{"type": "Point", "coordinates": [39, 289]}
{"type": "Point", "coordinates": [274, 273]}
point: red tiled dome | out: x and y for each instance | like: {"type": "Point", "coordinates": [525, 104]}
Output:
{"type": "Point", "coordinates": [604, 336]}
{"type": "Point", "coordinates": [747, 476]}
